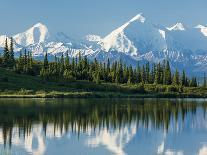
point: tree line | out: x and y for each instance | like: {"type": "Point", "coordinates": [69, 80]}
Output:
{"type": "Point", "coordinates": [81, 68]}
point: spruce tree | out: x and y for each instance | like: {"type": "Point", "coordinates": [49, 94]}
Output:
{"type": "Point", "coordinates": [157, 74]}
{"type": "Point", "coordinates": [167, 74]}
{"type": "Point", "coordinates": [46, 63]}
{"type": "Point", "coordinates": [11, 54]}
{"type": "Point", "coordinates": [143, 74]}
{"type": "Point", "coordinates": [67, 61]}
{"type": "Point", "coordinates": [119, 75]}
{"type": "Point", "coordinates": [152, 74]}
{"type": "Point", "coordinates": [139, 74]}
{"type": "Point", "coordinates": [176, 78]}
{"type": "Point", "coordinates": [131, 74]}
{"type": "Point", "coordinates": [183, 79]}
{"type": "Point", "coordinates": [108, 70]}
{"type": "Point", "coordinates": [147, 72]}
{"type": "Point", "coordinates": [6, 55]}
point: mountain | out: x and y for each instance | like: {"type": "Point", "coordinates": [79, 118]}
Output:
{"type": "Point", "coordinates": [177, 27]}
{"type": "Point", "coordinates": [136, 40]}
{"type": "Point", "coordinates": [36, 34]}
{"type": "Point", "coordinates": [135, 37]}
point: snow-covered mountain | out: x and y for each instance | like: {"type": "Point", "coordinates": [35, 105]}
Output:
{"type": "Point", "coordinates": [136, 37]}
{"type": "Point", "coordinates": [36, 34]}
{"type": "Point", "coordinates": [136, 40]}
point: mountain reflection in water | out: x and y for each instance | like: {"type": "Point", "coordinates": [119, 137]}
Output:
{"type": "Point", "coordinates": [103, 126]}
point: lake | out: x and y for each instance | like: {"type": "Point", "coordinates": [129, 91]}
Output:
{"type": "Point", "coordinates": [103, 126]}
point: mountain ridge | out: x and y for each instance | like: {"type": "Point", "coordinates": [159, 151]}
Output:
{"type": "Point", "coordinates": [136, 40]}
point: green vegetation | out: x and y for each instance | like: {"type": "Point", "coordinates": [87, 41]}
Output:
{"type": "Point", "coordinates": [79, 77]}
{"type": "Point", "coordinates": [21, 85]}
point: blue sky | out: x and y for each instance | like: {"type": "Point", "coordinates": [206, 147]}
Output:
{"type": "Point", "coordinates": [80, 17]}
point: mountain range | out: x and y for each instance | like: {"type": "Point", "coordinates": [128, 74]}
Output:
{"type": "Point", "coordinates": [136, 40]}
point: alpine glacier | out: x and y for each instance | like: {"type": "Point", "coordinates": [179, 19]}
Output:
{"type": "Point", "coordinates": [136, 40]}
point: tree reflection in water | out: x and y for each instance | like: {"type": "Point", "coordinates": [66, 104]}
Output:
{"type": "Point", "coordinates": [58, 116]}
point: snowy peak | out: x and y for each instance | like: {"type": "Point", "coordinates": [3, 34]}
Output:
{"type": "Point", "coordinates": [36, 34]}
{"type": "Point", "coordinates": [177, 27]}
{"type": "Point", "coordinates": [139, 18]}
{"type": "Point", "coordinates": [203, 29]}
{"type": "Point", "coordinates": [135, 37]}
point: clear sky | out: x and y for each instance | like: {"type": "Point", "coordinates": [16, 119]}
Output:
{"type": "Point", "coordinates": [77, 18]}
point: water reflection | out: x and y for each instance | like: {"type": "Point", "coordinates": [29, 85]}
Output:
{"type": "Point", "coordinates": [100, 126]}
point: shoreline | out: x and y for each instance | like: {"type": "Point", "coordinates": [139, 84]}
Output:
{"type": "Point", "coordinates": [102, 95]}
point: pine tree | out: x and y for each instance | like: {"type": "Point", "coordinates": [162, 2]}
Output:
{"type": "Point", "coordinates": [108, 70]}
{"type": "Point", "coordinates": [44, 73]}
{"type": "Point", "coordinates": [46, 63]}
{"type": "Point", "coordinates": [25, 57]}
{"type": "Point", "coordinates": [67, 61]}
{"type": "Point", "coordinates": [183, 79]}
{"type": "Point", "coordinates": [6, 55]}
{"type": "Point", "coordinates": [176, 78]}
{"type": "Point", "coordinates": [143, 74]}
{"type": "Point", "coordinates": [147, 73]}
{"type": "Point", "coordinates": [193, 82]}
{"type": "Point", "coordinates": [157, 74]}
{"type": "Point", "coordinates": [114, 71]}
{"type": "Point", "coordinates": [96, 77]}
{"type": "Point", "coordinates": [125, 73]}
{"type": "Point", "coordinates": [85, 68]}
{"type": "Point", "coordinates": [131, 74]}
{"type": "Point", "coordinates": [119, 75]}
{"type": "Point", "coordinates": [152, 75]}
{"type": "Point", "coordinates": [167, 74]}
{"type": "Point", "coordinates": [139, 74]}
{"type": "Point", "coordinates": [11, 54]}
{"type": "Point", "coordinates": [20, 62]}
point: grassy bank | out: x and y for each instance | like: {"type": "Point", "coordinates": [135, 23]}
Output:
{"type": "Point", "coordinates": [24, 86]}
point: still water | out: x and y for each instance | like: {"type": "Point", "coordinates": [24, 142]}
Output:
{"type": "Point", "coordinates": [103, 126]}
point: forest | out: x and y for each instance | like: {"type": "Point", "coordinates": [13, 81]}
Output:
{"type": "Point", "coordinates": [78, 69]}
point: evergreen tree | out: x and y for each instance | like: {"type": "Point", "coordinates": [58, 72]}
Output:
{"type": "Point", "coordinates": [68, 76]}
{"type": "Point", "coordinates": [147, 73]}
{"type": "Point", "coordinates": [183, 79]}
{"type": "Point", "coordinates": [139, 74]}
{"type": "Point", "coordinates": [108, 70]}
{"type": "Point", "coordinates": [67, 62]}
{"type": "Point", "coordinates": [143, 74]}
{"type": "Point", "coordinates": [193, 82]}
{"type": "Point", "coordinates": [97, 78]}
{"type": "Point", "coordinates": [125, 73]}
{"type": "Point", "coordinates": [119, 75]}
{"type": "Point", "coordinates": [44, 73]}
{"type": "Point", "coordinates": [6, 55]}
{"type": "Point", "coordinates": [167, 74]}
{"type": "Point", "coordinates": [114, 71]}
{"type": "Point", "coordinates": [46, 63]}
{"type": "Point", "coordinates": [11, 54]}
{"type": "Point", "coordinates": [157, 74]}
{"type": "Point", "coordinates": [130, 78]}
{"type": "Point", "coordinates": [152, 75]}
{"type": "Point", "coordinates": [176, 78]}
